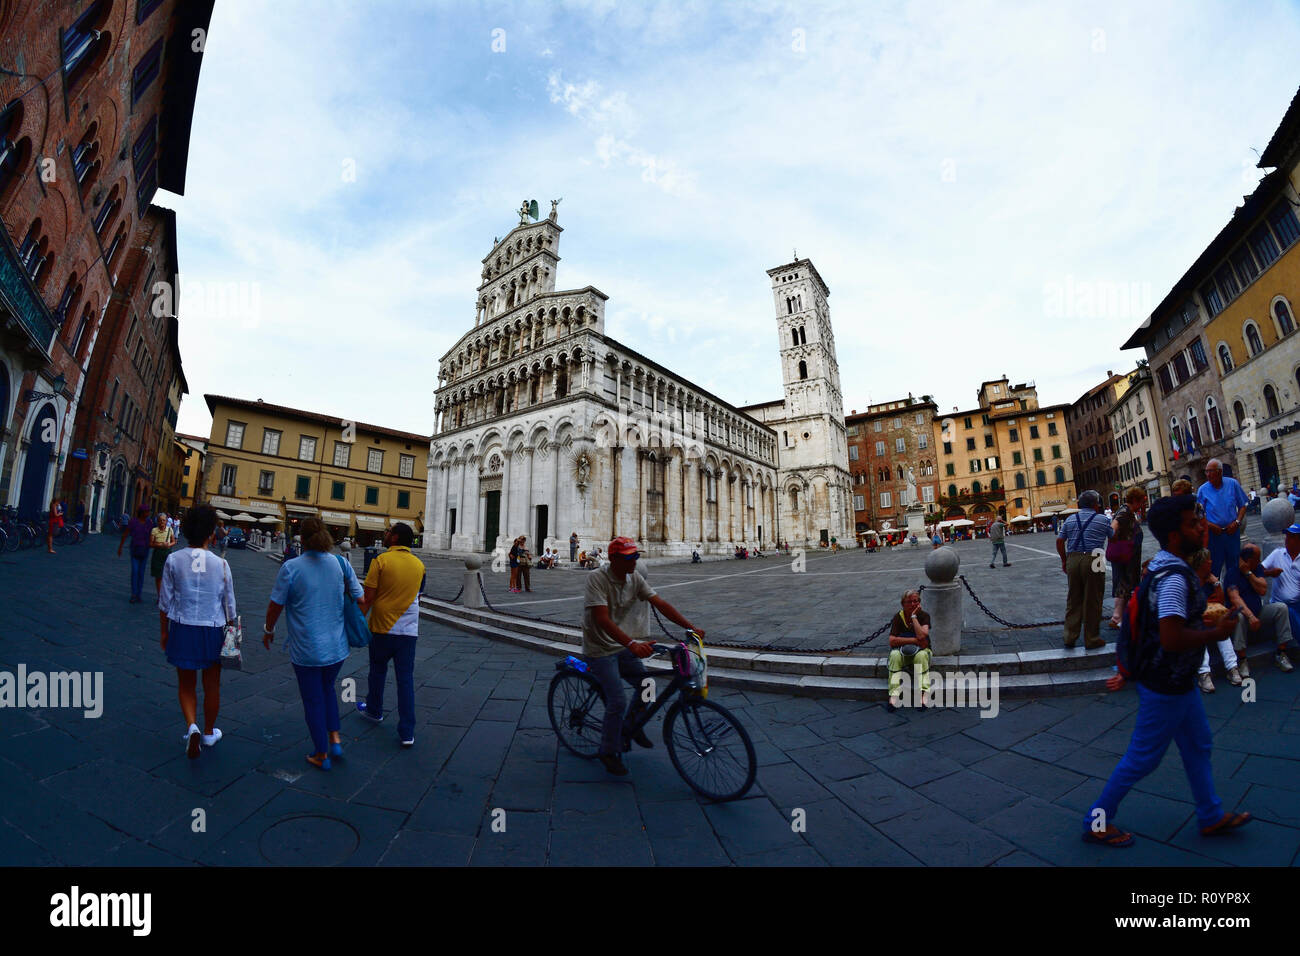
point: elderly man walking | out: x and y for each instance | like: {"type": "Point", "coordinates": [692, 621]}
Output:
{"type": "Point", "coordinates": [1081, 543]}
{"type": "Point", "coordinates": [1225, 503]}
{"type": "Point", "coordinates": [998, 535]}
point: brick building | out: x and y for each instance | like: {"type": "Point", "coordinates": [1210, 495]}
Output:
{"type": "Point", "coordinates": [96, 100]}
{"type": "Point", "coordinates": [884, 442]}
{"type": "Point", "coordinates": [1092, 439]}
{"type": "Point", "coordinates": [133, 373]}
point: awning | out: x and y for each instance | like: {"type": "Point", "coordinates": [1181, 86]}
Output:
{"type": "Point", "coordinates": [300, 509]}
{"type": "Point", "coordinates": [269, 519]}
{"type": "Point", "coordinates": [340, 518]}
{"type": "Point", "coordinates": [1019, 518]}
{"type": "Point", "coordinates": [1044, 516]}
{"type": "Point", "coordinates": [262, 508]}
{"type": "Point", "coordinates": [243, 517]}
{"type": "Point", "coordinates": [371, 522]}
{"type": "Point", "coordinates": [221, 501]}
{"type": "Point", "coordinates": [223, 516]}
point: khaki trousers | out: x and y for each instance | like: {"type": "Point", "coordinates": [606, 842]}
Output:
{"type": "Point", "coordinates": [1083, 601]}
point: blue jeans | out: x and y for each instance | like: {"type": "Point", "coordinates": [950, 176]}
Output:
{"type": "Point", "coordinates": [999, 546]}
{"type": "Point", "coordinates": [400, 649]}
{"type": "Point", "coordinates": [1160, 719]}
{"type": "Point", "coordinates": [1225, 549]}
{"type": "Point", "coordinates": [320, 704]}
{"type": "Point", "coordinates": [610, 671]}
{"type": "Point", "coordinates": [138, 566]}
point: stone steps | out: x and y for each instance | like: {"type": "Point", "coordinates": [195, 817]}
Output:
{"type": "Point", "coordinates": [1029, 674]}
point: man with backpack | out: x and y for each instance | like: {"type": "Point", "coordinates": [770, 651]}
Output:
{"type": "Point", "coordinates": [1081, 538]}
{"type": "Point", "coordinates": [1160, 646]}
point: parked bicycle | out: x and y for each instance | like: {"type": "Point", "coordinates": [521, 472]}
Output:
{"type": "Point", "coordinates": [19, 532]}
{"type": "Point", "coordinates": [707, 745]}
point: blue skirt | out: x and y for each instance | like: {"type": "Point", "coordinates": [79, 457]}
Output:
{"type": "Point", "coordinates": [193, 647]}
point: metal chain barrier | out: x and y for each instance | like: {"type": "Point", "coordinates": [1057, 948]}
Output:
{"type": "Point", "coordinates": [1003, 622]}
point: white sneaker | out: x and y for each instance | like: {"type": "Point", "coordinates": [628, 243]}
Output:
{"type": "Point", "coordinates": [1283, 661]}
{"type": "Point", "coordinates": [1234, 678]}
{"type": "Point", "coordinates": [212, 738]}
{"type": "Point", "coordinates": [192, 738]}
{"type": "Point", "coordinates": [1203, 681]}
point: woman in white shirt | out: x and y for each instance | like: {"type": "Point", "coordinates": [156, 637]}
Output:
{"type": "Point", "coordinates": [195, 601]}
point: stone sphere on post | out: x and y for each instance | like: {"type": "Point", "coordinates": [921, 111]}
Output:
{"type": "Point", "coordinates": [942, 564]}
{"type": "Point", "coordinates": [471, 593]}
{"type": "Point", "coordinates": [473, 562]}
{"type": "Point", "coordinates": [1278, 515]}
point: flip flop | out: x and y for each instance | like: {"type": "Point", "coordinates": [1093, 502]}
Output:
{"type": "Point", "coordinates": [1113, 836]}
{"type": "Point", "coordinates": [1229, 821]}
{"type": "Point", "coordinates": [322, 764]}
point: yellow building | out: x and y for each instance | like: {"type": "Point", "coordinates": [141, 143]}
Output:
{"type": "Point", "coordinates": [195, 449]}
{"type": "Point", "coordinates": [1007, 456]}
{"type": "Point", "coordinates": [266, 460]}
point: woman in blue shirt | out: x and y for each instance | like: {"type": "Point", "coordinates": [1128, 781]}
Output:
{"type": "Point", "coordinates": [309, 589]}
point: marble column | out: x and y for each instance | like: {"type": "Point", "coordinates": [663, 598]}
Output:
{"type": "Point", "coordinates": [642, 460]}
{"type": "Point", "coordinates": [504, 525]}
{"type": "Point", "coordinates": [558, 514]}
{"type": "Point", "coordinates": [529, 525]}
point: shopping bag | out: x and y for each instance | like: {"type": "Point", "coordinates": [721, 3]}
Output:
{"type": "Point", "coordinates": [231, 655]}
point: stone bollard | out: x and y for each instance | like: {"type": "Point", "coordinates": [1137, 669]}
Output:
{"type": "Point", "coordinates": [1278, 515]}
{"type": "Point", "coordinates": [473, 595]}
{"type": "Point", "coordinates": [942, 599]}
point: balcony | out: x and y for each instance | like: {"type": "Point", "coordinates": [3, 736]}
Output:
{"type": "Point", "coordinates": [27, 323]}
{"type": "Point", "coordinates": [226, 491]}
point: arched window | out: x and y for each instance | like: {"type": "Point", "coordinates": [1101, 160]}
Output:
{"type": "Point", "coordinates": [993, 485]}
{"type": "Point", "coordinates": [1175, 433]}
{"type": "Point", "coordinates": [1060, 475]}
{"type": "Point", "coordinates": [803, 338]}
{"type": "Point", "coordinates": [975, 488]}
{"type": "Point", "coordinates": [13, 152]}
{"type": "Point", "coordinates": [1212, 418]}
{"type": "Point", "coordinates": [1225, 358]}
{"type": "Point", "coordinates": [794, 499]}
{"type": "Point", "coordinates": [803, 369]}
{"type": "Point", "coordinates": [84, 43]}
{"type": "Point", "coordinates": [1285, 323]}
{"type": "Point", "coordinates": [1020, 480]}
{"type": "Point", "coordinates": [794, 336]}
{"type": "Point", "coordinates": [952, 491]}
{"type": "Point", "coordinates": [900, 472]}
{"type": "Point", "coordinates": [1040, 477]}
{"type": "Point", "coordinates": [1254, 345]}
{"type": "Point", "coordinates": [1239, 411]}
{"type": "Point", "coordinates": [1270, 401]}
{"type": "Point", "coordinates": [1193, 426]}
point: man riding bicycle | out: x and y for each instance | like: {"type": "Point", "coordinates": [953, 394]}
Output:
{"type": "Point", "coordinates": [614, 627]}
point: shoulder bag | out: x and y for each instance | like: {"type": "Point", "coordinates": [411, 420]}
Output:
{"type": "Point", "coordinates": [354, 622]}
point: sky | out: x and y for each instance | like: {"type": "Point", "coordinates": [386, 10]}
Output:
{"type": "Point", "coordinates": [988, 189]}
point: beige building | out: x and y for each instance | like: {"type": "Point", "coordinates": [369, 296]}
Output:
{"type": "Point", "coordinates": [269, 461]}
{"type": "Point", "coordinates": [1139, 439]}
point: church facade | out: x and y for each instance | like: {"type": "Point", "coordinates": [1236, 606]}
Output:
{"type": "Point", "coordinates": [544, 426]}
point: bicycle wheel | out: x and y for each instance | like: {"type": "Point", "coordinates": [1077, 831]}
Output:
{"type": "Point", "coordinates": [28, 534]}
{"type": "Point", "coordinates": [12, 538]}
{"type": "Point", "coordinates": [710, 749]}
{"type": "Point", "coordinates": [577, 708]}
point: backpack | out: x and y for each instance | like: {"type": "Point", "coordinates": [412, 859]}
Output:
{"type": "Point", "coordinates": [1131, 656]}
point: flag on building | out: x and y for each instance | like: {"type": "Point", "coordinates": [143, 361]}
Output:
{"type": "Point", "coordinates": [1177, 449]}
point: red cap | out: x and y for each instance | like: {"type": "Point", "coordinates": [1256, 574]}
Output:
{"type": "Point", "coordinates": [622, 546]}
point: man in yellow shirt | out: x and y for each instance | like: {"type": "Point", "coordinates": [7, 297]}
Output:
{"type": "Point", "coordinates": [392, 598]}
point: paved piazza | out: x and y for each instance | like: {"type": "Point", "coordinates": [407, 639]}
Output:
{"type": "Point", "coordinates": [938, 788]}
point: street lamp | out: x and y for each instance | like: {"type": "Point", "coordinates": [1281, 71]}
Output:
{"type": "Point", "coordinates": [59, 384]}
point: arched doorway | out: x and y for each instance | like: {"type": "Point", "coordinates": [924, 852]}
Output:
{"type": "Point", "coordinates": [36, 469]}
{"type": "Point", "coordinates": [116, 491]}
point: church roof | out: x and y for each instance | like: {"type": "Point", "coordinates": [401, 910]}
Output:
{"type": "Point", "coordinates": [806, 263]}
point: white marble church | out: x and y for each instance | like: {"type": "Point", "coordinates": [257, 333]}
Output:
{"type": "Point", "coordinates": [545, 426]}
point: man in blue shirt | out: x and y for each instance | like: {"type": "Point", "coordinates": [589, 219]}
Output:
{"type": "Point", "coordinates": [1225, 508]}
{"type": "Point", "coordinates": [1170, 643]}
{"type": "Point", "coordinates": [1081, 543]}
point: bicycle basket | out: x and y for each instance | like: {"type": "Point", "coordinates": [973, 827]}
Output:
{"type": "Point", "coordinates": [691, 663]}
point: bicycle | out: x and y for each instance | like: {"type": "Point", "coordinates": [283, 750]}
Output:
{"type": "Point", "coordinates": [21, 533]}
{"type": "Point", "coordinates": [708, 746]}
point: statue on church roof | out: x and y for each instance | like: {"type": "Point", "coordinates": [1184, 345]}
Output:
{"type": "Point", "coordinates": [555, 202]}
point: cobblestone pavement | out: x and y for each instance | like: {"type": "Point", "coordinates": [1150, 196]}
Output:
{"type": "Point", "coordinates": [944, 787]}
{"type": "Point", "coordinates": [838, 599]}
